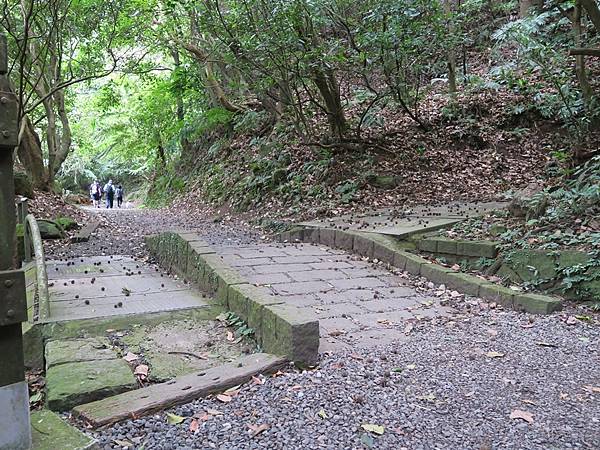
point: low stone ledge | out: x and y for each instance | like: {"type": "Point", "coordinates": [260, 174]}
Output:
{"type": "Point", "coordinates": [496, 293]}
{"type": "Point", "coordinates": [286, 330]}
{"type": "Point", "coordinates": [277, 330]}
{"type": "Point", "coordinates": [386, 249]}
{"type": "Point", "coordinates": [537, 303]}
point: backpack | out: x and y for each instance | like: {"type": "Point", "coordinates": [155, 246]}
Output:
{"type": "Point", "coordinates": [95, 189]}
{"type": "Point", "coordinates": [119, 192]}
{"type": "Point", "coordinates": [109, 189]}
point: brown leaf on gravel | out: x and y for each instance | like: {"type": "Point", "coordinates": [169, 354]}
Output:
{"type": "Point", "coordinates": [130, 357]}
{"type": "Point", "coordinates": [141, 371]}
{"type": "Point", "coordinates": [523, 415]}
{"type": "Point", "coordinates": [356, 356]}
{"type": "Point", "coordinates": [254, 430]}
{"type": "Point", "coordinates": [194, 426]}
{"type": "Point", "coordinates": [336, 333]}
{"type": "Point", "coordinates": [256, 380]}
{"type": "Point", "coordinates": [495, 355]}
{"type": "Point", "coordinates": [408, 328]}
{"type": "Point", "coordinates": [592, 389]}
{"type": "Point", "coordinates": [230, 336]}
{"type": "Point", "coordinates": [546, 344]}
{"type": "Point", "coordinates": [529, 402]}
{"type": "Point", "coordinates": [224, 398]}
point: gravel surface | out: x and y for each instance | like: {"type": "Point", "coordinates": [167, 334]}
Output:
{"type": "Point", "coordinates": [450, 383]}
{"type": "Point", "coordinates": [438, 389]}
{"type": "Point", "coordinates": [122, 232]}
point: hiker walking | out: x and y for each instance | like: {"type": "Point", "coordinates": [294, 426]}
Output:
{"type": "Point", "coordinates": [109, 190]}
{"type": "Point", "coordinates": [119, 195]}
{"type": "Point", "coordinates": [96, 193]}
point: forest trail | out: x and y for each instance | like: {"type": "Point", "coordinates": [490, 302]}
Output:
{"type": "Point", "coordinates": [459, 376]}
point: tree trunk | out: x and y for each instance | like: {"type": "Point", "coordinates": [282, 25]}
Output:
{"type": "Point", "coordinates": [448, 8]}
{"type": "Point", "coordinates": [330, 92]}
{"type": "Point", "coordinates": [527, 7]}
{"type": "Point", "coordinates": [178, 97]}
{"type": "Point", "coordinates": [65, 139]}
{"type": "Point", "coordinates": [580, 71]}
{"type": "Point", "coordinates": [29, 152]}
{"type": "Point", "coordinates": [591, 6]}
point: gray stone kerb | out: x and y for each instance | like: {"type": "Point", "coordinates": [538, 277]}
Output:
{"type": "Point", "coordinates": [279, 328]}
{"type": "Point", "coordinates": [389, 250]}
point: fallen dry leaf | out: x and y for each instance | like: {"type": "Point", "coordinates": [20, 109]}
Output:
{"type": "Point", "coordinates": [523, 415]}
{"type": "Point", "coordinates": [129, 357]}
{"type": "Point", "coordinates": [230, 336]}
{"type": "Point", "coordinates": [529, 402]}
{"type": "Point", "coordinates": [256, 380]}
{"type": "Point", "coordinates": [254, 430]}
{"type": "Point", "coordinates": [141, 371]}
{"type": "Point", "coordinates": [546, 344]}
{"type": "Point", "coordinates": [224, 398]}
{"type": "Point", "coordinates": [495, 355]}
{"type": "Point", "coordinates": [194, 426]}
{"type": "Point", "coordinates": [371, 427]}
{"type": "Point", "coordinates": [408, 328]}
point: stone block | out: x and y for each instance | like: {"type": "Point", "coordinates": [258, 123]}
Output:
{"type": "Point", "coordinates": [363, 245]}
{"type": "Point", "coordinates": [256, 300]}
{"type": "Point", "coordinates": [76, 383]}
{"type": "Point", "coordinates": [427, 245]}
{"type": "Point", "coordinates": [537, 303]}
{"type": "Point", "coordinates": [237, 300]}
{"type": "Point", "coordinates": [284, 236]}
{"type": "Point", "coordinates": [465, 283]}
{"type": "Point", "coordinates": [50, 432]}
{"type": "Point", "coordinates": [435, 273]}
{"type": "Point", "coordinates": [496, 293]}
{"type": "Point", "coordinates": [481, 249]}
{"type": "Point", "coordinates": [570, 258]}
{"type": "Point", "coordinates": [413, 263]}
{"type": "Point", "coordinates": [344, 240]}
{"type": "Point", "coordinates": [289, 331]}
{"type": "Point", "coordinates": [327, 237]}
{"type": "Point", "coordinates": [311, 235]}
{"type": "Point", "coordinates": [77, 350]}
{"type": "Point", "coordinates": [533, 265]}
{"type": "Point", "coordinates": [296, 235]}
{"type": "Point", "coordinates": [446, 245]}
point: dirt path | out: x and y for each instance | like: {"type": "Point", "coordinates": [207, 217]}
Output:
{"type": "Point", "coordinates": [478, 377]}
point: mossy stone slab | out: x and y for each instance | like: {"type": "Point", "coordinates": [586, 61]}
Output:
{"type": "Point", "coordinates": [50, 432]}
{"type": "Point", "coordinates": [76, 383]}
{"type": "Point", "coordinates": [77, 350]}
{"type": "Point", "coordinates": [533, 265]}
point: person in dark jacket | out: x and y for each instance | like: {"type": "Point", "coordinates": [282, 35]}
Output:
{"type": "Point", "coordinates": [119, 195]}
{"type": "Point", "coordinates": [109, 190]}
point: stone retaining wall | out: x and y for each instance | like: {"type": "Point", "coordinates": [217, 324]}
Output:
{"type": "Point", "coordinates": [392, 251]}
{"type": "Point", "coordinates": [277, 329]}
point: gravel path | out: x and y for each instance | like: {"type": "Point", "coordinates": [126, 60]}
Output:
{"type": "Point", "coordinates": [449, 383]}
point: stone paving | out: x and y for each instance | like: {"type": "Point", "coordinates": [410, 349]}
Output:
{"type": "Point", "coordinates": [101, 286]}
{"type": "Point", "coordinates": [357, 303]}
{"type": "Point", "coordinates": [402, 221]}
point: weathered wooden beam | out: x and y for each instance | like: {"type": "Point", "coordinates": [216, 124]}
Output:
{"type": "Point", "coordinates": [134, 404]}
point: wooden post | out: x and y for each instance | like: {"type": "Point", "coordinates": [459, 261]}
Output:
{"type": "Point", "coordinates": [15, 432]}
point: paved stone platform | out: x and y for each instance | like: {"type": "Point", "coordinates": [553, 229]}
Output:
{"type": "Point", "coordinates": [102, 286]}
{"type": "Point", "coordinates": [356, 304]}
{"type": "Point", "coordinates": [402, 221]}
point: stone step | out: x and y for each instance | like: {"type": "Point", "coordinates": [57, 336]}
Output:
{"type": "Point", "coordinates": [177, 391]}
{"type": "Point", "coordinates": [50, 432]}
{"type": "Point", "coordinates": [82, 370]}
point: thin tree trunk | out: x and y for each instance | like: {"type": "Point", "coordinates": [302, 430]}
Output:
{"type": "Point", "coordinates": [29, 152]}
{"type": "Point", "coordinates": [580, 71]}
{"type": "Point", "coordinates": [330, 92]}
{"type": "Point", "coordinates": [448, 8]}
{"type": "Point", "coordinates": [65, 139]}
